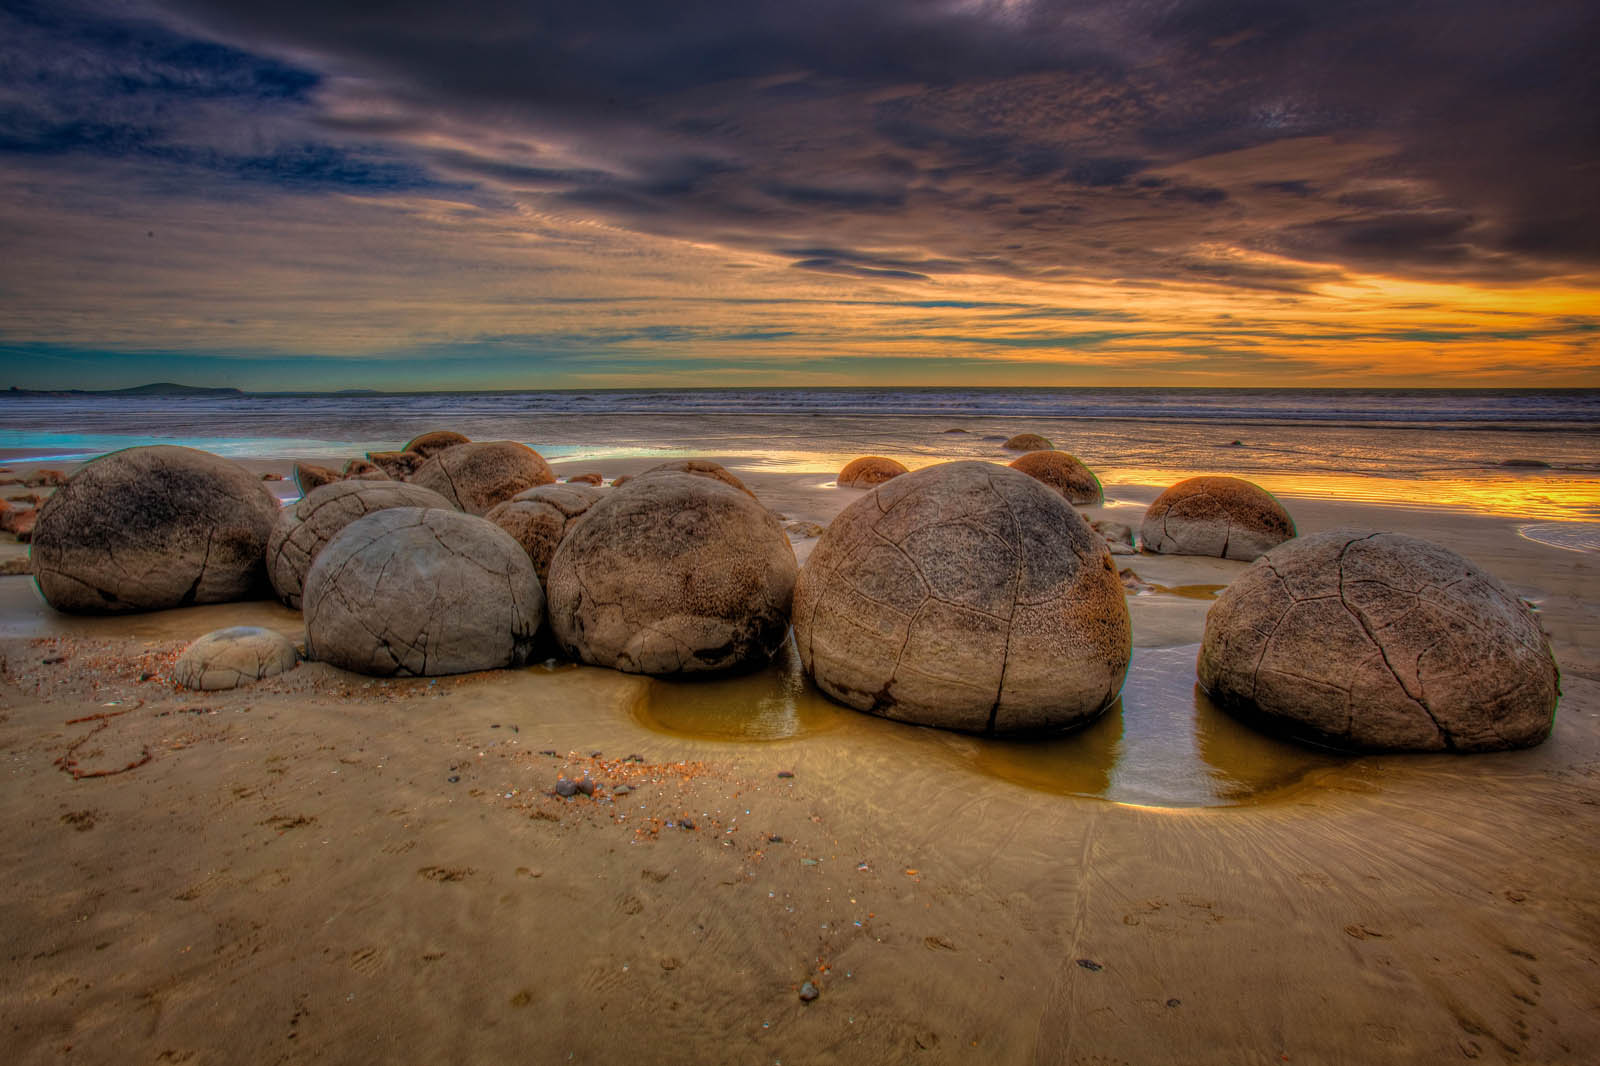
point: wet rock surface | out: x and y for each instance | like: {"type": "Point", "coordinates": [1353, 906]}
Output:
{"type": "Point", "coordinates": [1063, 472]}
{"type": "Point", "coordinates": [539, 518]}
{"type": "Point", "coordinates": [476, 477]}
{"type": "Point", "coordinates": [238, 655]}
{"type": "Point", "coordinates": [965, 595]}
{"type": "Point", "coordinates": [675, 573]}
{"type": "Point", "coordinates": [1380, 641]}
{"type": "Point", "coordinates": [150, 528]}
{"type": "Point", "coordinates": [869, 470]}
{"type": "Point", "coordinates": [1226, 517]}
{"type": "Point", "coordinates": [407, 591]}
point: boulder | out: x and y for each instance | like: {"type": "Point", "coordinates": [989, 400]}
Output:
{"type": "Point", "coordinates": [1117, 535]}
{"type": "Point", "coordinates": [586, 479]}
{"type": "Point", "coordinates": [1028, 442]}
{"type": "Point", "coordinates": [475, 477]}
{"type": "Point", "coordinates": [153, 527]}
{"type": "Point", "coordinates": [409, 591]}
{"type": "Point", "coordinates": [238, 655]}
{"type": "Point", "coordinates": [698, 467]}
{"type": "Point", "coordinates": [538, 518]}
{"type": "Point", "coordinates": [1222, 516]}
{"type": "Point", "coordinates": [964, 595]}
{"type": "Point", "coordinates": [1063, 472]}
{"type": "Point", "coordinates": [869, 470]}
{"type": "Point", "coordinates": [362, 470]}
{"type": "Point", "coordinates": [1380, 641]}
{"type": "Point", "coordinates": [398, 465]}
{"type": "Point", "coordinates": [430, 444]}
{"type": "Point", "coordinates": [308, 476]}
{"type": "Point", "coordinates": [306, 526]}
{"type": "Point", "coordinates": [677, 573]}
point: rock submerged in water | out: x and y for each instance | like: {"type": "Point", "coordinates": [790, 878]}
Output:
{"type": "Point", "coordinates": [539, 517]}
{"type": "Point", "coordinates": [408, 591]}
{"type": "Point", "coordinates": [1380, 641]}
{"type": "Point", "coordinates": [477, 476]}
{"type": "Point", "coordinates": [673, 574]}
{"type": "Point", "coordinates": [153, 527]}
{"type": "Point", "coordinates": [238, 655]}
{"type": "Point", "coordinates": [305, 527]}
{"type": "Point", "coordinates": [1063, 472]}
{"type": "Point", "coordinates": [1225, 517]}
{"type": "Point", "coordinates": [1028, 442]}
{"type": "Point", "coordinates": [965, 595]}
{"type": "Point", "coordinates": [869, 470]}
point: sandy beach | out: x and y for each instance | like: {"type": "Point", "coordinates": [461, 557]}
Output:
{"type": "Point", "coordinates": [326, 867]}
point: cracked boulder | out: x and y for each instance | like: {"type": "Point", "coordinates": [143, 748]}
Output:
{"type": "Point", "coordinates": [1063, 472]}
{"type": "Point", "coordinates": [305, 527]}
{"type": "Point", "coordinates": [414, 592]}
{"type": "Point", "coordinates": [477, 476]}
{"type": "Point", "coordinates": [153, 527]}
{"type": "Point", "coordinates": [673, 574]}
{"type": "Point", "coordinates": [698, 467]}
{"type": "Point", "coordinates": [238, 655]}
{"type": "Point", "coordinates": [967, 596]}
{"type": "Point", "coordinates": [1383, 642]}
{"type": "Point", "coordinates": [430, 444]}
{"type": "Point", "coordinates": [869, 470]}
{"type": "Point", "coordinates": [1226, 517]}
{"type": "Point", "coordinates": [539, 518]}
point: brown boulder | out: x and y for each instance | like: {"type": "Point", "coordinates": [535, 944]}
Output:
{"type": "Point", "coordinates": [308, 477]}
{"type": "Point", "coordinates": [1222, 516]}
{"type": "Point", "coordinates": [585, 479]}
{"type": "Point", "coordinates": [398, 465]}
{"type": "Point", "coordinates": [476, 476]}
{"type": "Point", "coordinates": [362, 470]}
{"type": "Point", "coordinates": [1063, 472]}
{"type": "Point", "coordinates": [869, 470]}
{"type": "Point", "coordinates": [538, 518]}
{"type": "Point", "coordinates": [1380, 641]}
{"type": "Point", "coordinates": [1028, 442]}
{"type": "Point", "coordinates": [698, 467]}
{"type": "Point", "coordinates": [964, 595]}
{"type": "Point", "coordinates": [430, 444]}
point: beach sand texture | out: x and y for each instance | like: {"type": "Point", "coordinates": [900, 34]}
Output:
{"type": "Point", "coordinates": [325, 867]}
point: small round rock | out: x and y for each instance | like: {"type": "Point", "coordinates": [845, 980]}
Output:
{"type": "Point", "coordinates": [1063, 472]}
{"type": "Point", "coordinates": [477, 476]}
{"type": "Point", "coordinates": [238, 655]}
{"type": "Point", "coordinates": [1028, 442]}
{"type": "Point", "coordinates": [869, 470]}
{"type": "Point", "coordinates": [1226, 517]}
{"type": "Point", "coordinates": [1383, 642]}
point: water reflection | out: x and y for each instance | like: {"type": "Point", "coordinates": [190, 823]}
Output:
{"type": "Point", "coordinates": [773, 703]}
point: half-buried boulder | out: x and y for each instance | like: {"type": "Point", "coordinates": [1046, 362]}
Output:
{"type": "Point", "coordinates": [1028, 442]}
{"type": "Point", "coordinates": [1063, 472]}
{"type": "Point", "coordinates": [673, 574]}
{"type": "Point", "coordinates": [475, 477]}
{"type": "Point", "coordinates": [305, 527]}
{"type": "Point", "coordinates": [698, 467]}
{"type": "Point", "coordinates": [869, 470]}
{"type": "Point", "coordinates": [430, 444]}
{"type": "Point", "coordinates": [398, 465]}
{"type": "Point", "coordinates": [364, 470]}
{"type": "Point", "coordinates": [238, 655]}
{"type": "Point", "coordinates": [1380, 641]}
{"type": "Point", "coordinates": [408, 591]}
{"type": "Point", "coordinates": [539, 517]}
{"type": "Point", "coordinates": [968, 596]}
{"type": "Point", "coordinates": [1222, 516]}
{"type": "Point", "coordinates": [308, 476]}
{"type": "Point", "coordinates": [153, 527]}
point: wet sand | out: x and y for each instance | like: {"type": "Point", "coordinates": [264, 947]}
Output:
{"type": "Point", "coordinates": [327, 867]}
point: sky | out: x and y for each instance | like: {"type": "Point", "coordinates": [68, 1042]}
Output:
{"type": "Point", "coordinates": [621, 193]}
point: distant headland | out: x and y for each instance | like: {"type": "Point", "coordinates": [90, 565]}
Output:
{"type": "Point", "coordinates": [159, 388]}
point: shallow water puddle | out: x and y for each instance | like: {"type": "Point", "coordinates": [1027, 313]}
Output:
{"type": "Point", "coordinates": [774, 703]}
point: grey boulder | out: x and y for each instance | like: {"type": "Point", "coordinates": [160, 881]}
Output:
{"type": "Point", "coordinates": [538, 518]}
{"type": "Point", "coordinates": [238, 655]}
{"type": "Point", "coordinates": [475, 477]}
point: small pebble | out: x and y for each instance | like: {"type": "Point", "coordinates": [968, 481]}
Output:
{"type": "Point", "coordinates": [808, 992]}
{"type": "Point", "coordinates": [774, 838]}
{"type": "Point", "coordinates": [53, 661]}
{"type": "Point", "coordinates": [594, 754]}
{"type": "Point", "coordinates": [785, 773]}
{"type": "Point", "coordinates": [547, 751]}
{"type": "Point", "coordinates": [585, 785]}
{"type": "Point", "coordinates": [1174, 1002]}
{"type": "Point", "coordinates": [1090, 965]}
{"type": "Point", "coordinates": [621, 790]}
{"type": "Point", "coordinates": [495, 726]}
{"type": "Point", "coordinates": [452, 779]}
{"type": "Point", "coordinates": [634, 758]}
{"type": "Point", "coordinates": [566, 787]}
{"type": "Point", "coordinates": [686, 823]}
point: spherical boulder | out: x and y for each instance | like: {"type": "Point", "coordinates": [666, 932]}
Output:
{"type": "Point", "coordinates": [476, 476]}
{"type": "Point", "coordinates": [673, 574]}
{"type": "Point", "coordinates": [869, 470]}
{"type": "Point", "coordinates": [1063, 472]}
{"type": "Point", "coordinates": [538, 518]}
{"type": "Point", "coordinates": [430, 444]}
{"type": "Point", "coordinates": [305, 527]}
{"type": "Point", "coordinates": [238, 655]}
{"type": "Point", "coordinates": [698, 467]}
{"type": "Point", "coordinates": [964, 595]}
{"type": "Point", "coordinates": [153, 527]}
{"type": "Point", "coordinates": [1222, 516]}
{"type": "Point", "coordinates": [1380, 641]}
{"type": "Point", "coordinates": [1028, 442]}
{"type": "Point", "coordinates": [308, 476]}
{"type": "Point", "coordinates": [411, 591]}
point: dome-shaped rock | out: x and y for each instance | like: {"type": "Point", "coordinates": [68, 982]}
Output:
{"type": "Point", "coordinates": [430, 444]}
{"type": "Point", "coordinates": [475, 477]}
{"type": "Point", "coordinates": [1063, 472]}
{"type": "Point", "coordinates": [308, 476]}
{"type": "Point", "coordinates": [364, 470]}
{"type": "Point", "coordinates": [238, 655]}
{"type": "Point", "coordinates": [869, 470]}
{"type": "Point", "coordinates": [1222, 516]}
{"type": "Point", "coordinates": [1028, 442]}
{"type": "Point", "coordinates": [408, 591]}
{"type": "Point", "coordinates": [538, 518]}
{"type": "Point", "coordinates": [675, 573]}
{"type": "Point", "coordinates": [698, 467]}
{"type": "Point", "coordinates": [153, 527]}
{"type": "Point", "coordinates": [1380, 641]}
{"type": "Point", "coordinates": [306, 526]}
{"type": "Point", "coordinates": [964, 595]}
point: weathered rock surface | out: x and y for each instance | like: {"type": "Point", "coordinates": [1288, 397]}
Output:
{"type": "Point", "coordinates": [228, 658]}
{"type": "Point", "coordinates": [538, 518]}
{"type": "Point", "coordinates": [591, 478]}
{"type": "Point", "coordinates": [1380, 641]}
{"type": "Point", "coordinates": [676, 573]}
{"type": "Point", "coordinates": [1063, 472]}
{"type": "Point", "coordinates": [150, 528]}
{"type": "Point", "coordinates": [964, 595]}
{"type": "Point", "coordinates": [305, 527]}
{"type": "Point", "coordinates": [698, 467]}
{"type": "Point", "coordinates": [308, 476]}
{"type": "Point", "coordinates": [362, 470]}
{"type": "Point", "coordinates": [1028, 442]}
{"type": "Point", "coordinates": [398, 465]}
{"type": "Point", "coordinates": [1222, 516]}
{"type": "Point", "coordinates": [869, 470]}
{"type": "Point", "coordinates": [408, 591]}
{"type": "Point", "coordinates": [477, 476]}
{"type": "Point", "coordinates": [430, 444]}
